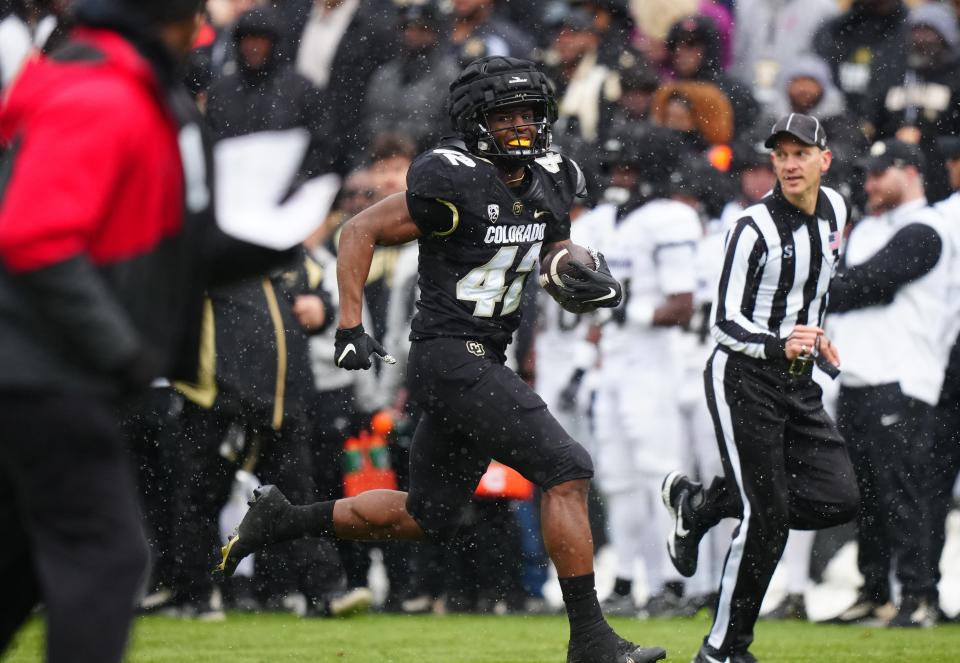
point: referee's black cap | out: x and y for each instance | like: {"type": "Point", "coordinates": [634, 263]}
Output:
{"type": "Point", "coordinates": [891, 154]}
{"type": "Point", "coordinates": [805, 128]}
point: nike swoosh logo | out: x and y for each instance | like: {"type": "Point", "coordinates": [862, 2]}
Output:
{"type": "Point", "coordinates": [539, 213]}
{"type": "Point", "coordinates": [711, 659]}
{"type": "Point", "coordinates": [681, 530]}
{"type": "Point", "coordinates": [347, 350]}
{"type": "Point", "coordinates": [889, 419]}
{"type": "Point", "coordinates": [609, 295]}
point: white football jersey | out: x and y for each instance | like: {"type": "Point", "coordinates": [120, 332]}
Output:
{"type": "Point", "coordinates": [562, 348]}
{"type": "Point", "coordinates": [652, 252]}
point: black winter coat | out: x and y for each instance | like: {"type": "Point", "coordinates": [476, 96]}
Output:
{"type": "Point", "coordinates": [858, 46]}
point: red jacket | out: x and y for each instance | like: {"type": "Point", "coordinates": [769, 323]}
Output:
{"type": "Point", "coordinates": [97, 168]}
{"type": "Point", "coordinates": [102, 272]}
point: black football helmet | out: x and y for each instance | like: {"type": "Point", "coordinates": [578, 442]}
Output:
{"type": "Point", "coordinates": [495, 82]}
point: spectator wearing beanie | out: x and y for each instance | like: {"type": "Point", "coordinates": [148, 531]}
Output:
{"type": "Point", "coordinates": [654, 19]}
{"type": "Point", "coordinates": [638, 84]}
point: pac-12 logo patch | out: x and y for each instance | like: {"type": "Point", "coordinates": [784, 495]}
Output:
{"type": "Point", "coordinates": [475, 348]}
{"type": "Point", "coordinates": [493, 213]}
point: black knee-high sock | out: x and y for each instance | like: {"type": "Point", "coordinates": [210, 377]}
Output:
{"type": "Point", "coordinates": [307, 521]}
{"type": "Point", "coordinates": [583, 608]}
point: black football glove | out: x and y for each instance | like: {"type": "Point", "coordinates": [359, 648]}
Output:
{"type": "Point", "coordinates": [353, 348]}
{"type": "Point", "coordinates": [587, 290]}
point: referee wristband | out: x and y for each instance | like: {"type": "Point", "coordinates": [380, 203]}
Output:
{"type": "Point", "coordinates": [775, 348]}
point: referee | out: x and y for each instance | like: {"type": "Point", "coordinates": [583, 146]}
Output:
{"type": "Point", "coordinates": [786, 465]}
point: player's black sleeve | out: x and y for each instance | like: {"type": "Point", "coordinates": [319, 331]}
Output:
{"type": "Point", "coordinates": [431, 197]}
{"type": "Point", "coordinates": [910, 254]}
{"type": "Point", "coordinates": [433, 216]}
{"type": "Point", "coordinates": [578, 178]}
{"type": "Point", "coordinates": [559, 229]}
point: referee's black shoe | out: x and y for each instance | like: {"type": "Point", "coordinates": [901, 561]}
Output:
{"type": "Point", "coordinates": [608, 647]}
{"type": "Point", "coordinates": [257, 530]}
{"type": "Point", "coordinates": [683, 543]}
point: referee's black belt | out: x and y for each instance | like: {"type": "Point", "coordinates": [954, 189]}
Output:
{"type": "Point", "coordinates": [798, 369]}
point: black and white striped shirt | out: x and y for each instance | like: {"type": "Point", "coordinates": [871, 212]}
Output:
{"type": "Point", "coordinates": [777, 269]}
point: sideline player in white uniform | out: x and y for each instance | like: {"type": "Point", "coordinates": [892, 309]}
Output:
{"type": "Point", "coordinates": [562, 377]}
{"type": "Point", "coordinates": [650, 244]}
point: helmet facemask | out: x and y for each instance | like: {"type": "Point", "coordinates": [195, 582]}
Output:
{"type": "Point", "coordinates": [513, 144]}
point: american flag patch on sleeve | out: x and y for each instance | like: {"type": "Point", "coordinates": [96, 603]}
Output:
{"type": "Point", "coordinates": [834, 238]}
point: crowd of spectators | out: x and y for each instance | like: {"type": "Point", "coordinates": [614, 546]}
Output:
{"type": "Point", "coordinates": [368, 80]}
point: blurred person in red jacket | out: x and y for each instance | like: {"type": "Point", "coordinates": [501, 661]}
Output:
{"type": "Point", "coordinates": [107, 242]}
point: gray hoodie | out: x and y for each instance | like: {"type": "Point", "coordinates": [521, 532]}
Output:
{"type": "Point", "coordinates": [808, 66]}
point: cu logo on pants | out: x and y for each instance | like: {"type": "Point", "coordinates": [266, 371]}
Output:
{"type": "Point", "coordinates": [475, 348]}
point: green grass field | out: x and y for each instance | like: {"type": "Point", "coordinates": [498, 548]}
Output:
{"type": "Point", "coordinates": [482, 639]}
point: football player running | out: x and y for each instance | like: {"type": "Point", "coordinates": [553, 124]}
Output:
{"type": "Point", "coordinates": [484, 206]}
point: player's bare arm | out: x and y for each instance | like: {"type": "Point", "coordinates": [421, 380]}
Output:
{"type": "Point", "coordinates": [550, 247]}
{"type": "Point", "coordinates": [676, 311]}
{"type": "Point", "coordinates": [385, 224]}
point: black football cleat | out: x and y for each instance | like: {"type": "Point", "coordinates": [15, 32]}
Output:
{"type": "Point", "coordinates": [865, 610]}
{"type": "Point", "coordinates": [683, 543]}
{"type": "Point", "coordinates": [705, 656]}
{"type": "Point", "coordinates": [619, 606]}
{"type": "Point", "coordinates": [915, 613]}
{"type": "Point", "coordinates": [257, 529]}
{"type": "Point", "coordinates": [793, 606]}
{"type": "Point", "coordinates": [611, 648]}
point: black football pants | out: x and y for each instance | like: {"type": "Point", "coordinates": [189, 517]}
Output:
{"type": "Point", "coordinates": [946, 464]}
{"type": "Point", "coordinates": [786, 465]}
{"type": "Point", "coordinates": [476, 409]}
{"type": "Point", "coordinates": [890, 440]}
{"type": "Point", "coordinates": [70, 532]}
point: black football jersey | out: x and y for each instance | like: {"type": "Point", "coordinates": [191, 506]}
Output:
{"type": "Point", "coordinates": [482, 239]}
